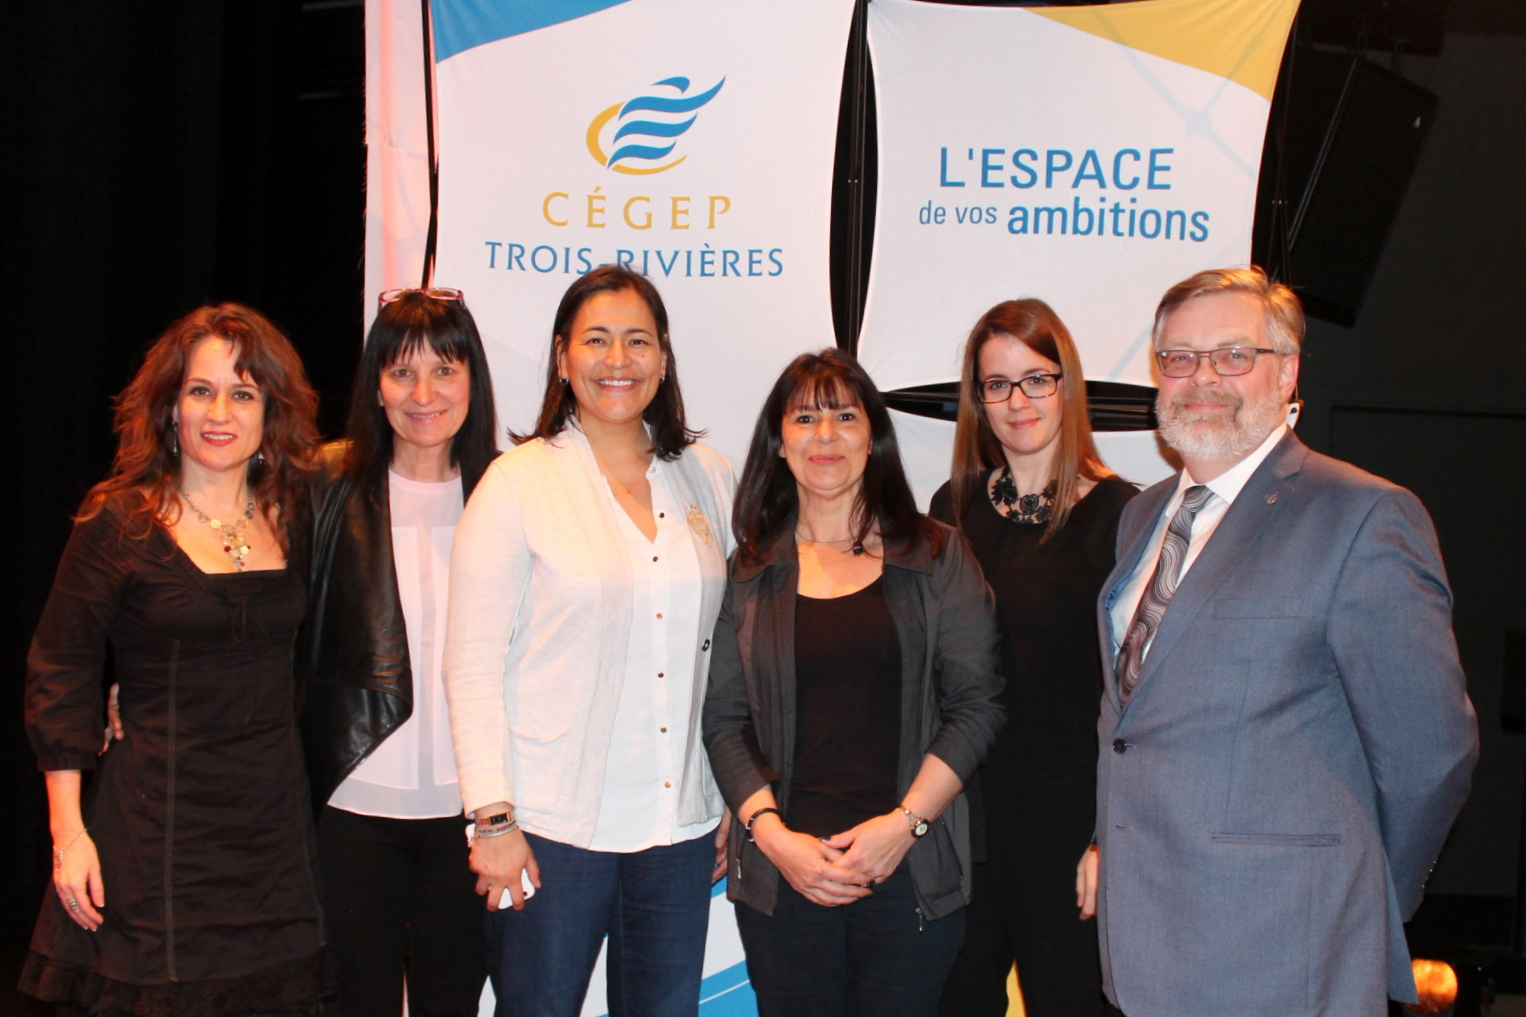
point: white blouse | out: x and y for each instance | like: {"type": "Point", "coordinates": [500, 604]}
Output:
{"type": "Point", "coordinates": [639, 808]}
{"type": "Point", "coordinates": [412, 775]}
{"type": "Point", "coordinates": [543, 620]}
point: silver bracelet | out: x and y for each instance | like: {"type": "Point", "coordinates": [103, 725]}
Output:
{"type": "Point", "coordinates": [58, 853]}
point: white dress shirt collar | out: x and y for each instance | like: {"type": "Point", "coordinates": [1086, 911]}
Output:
{"type": "Point", "coordinates": [1232, 481]}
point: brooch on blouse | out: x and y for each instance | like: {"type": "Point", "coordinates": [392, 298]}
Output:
{"type": "Point", "coordinates": [699, 523]}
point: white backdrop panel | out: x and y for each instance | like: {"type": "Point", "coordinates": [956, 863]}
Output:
{"type": "Point", "coordinates": [731, 222]}
{"type": "Point", "coordinates": [1020, 156]}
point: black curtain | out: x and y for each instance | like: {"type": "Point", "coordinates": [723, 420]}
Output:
{"type": "Point", "coordinates": [155, 157]}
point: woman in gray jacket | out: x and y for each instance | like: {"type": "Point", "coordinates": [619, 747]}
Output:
{"type": "Point", "coordinates": [853, 690]}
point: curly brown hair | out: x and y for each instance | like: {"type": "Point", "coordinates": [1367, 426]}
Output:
{"type": "Point", "coordinates": [145, 473]}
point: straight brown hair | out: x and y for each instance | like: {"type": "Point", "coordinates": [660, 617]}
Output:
{"type": "Point", "coordinates": [976, 448]}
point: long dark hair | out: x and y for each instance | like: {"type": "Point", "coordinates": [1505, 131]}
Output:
{"type": "Point", "coordinates": [976, 448]}
{"type": "Point", "coordinates": [767, 498]}
{"type": "Point", "coordinates": [664, 414]}
{"type": "Point", "coordinates": [402, 328]}
{"type": "Point", "coordinates": [144, 474]}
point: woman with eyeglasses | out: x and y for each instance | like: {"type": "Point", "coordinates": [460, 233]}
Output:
{"type": "Point", "coordinates": [587, 574]}
{"type": "Point", "coordinates": [1040, 511]}
{"type": "Point", "coordinates": [183, 873]}
{"type": "Point", "coordinates": [401, 902]}
{"type": "Point", "coordinates": [854, 690]}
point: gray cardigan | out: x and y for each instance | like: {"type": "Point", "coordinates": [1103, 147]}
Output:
{"type": "Point", "coordinates": [950, 701]}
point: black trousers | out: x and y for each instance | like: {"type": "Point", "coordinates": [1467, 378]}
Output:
{"type": "Point", "coordinates": [400, 900]}
{"type": "Point", "coordinates": [1024, 909]}
{"type": "Point", "coordinates": [875, 957]}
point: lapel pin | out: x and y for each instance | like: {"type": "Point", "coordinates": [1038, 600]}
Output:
{"type": "Point", "coordinates": [1271, 499]}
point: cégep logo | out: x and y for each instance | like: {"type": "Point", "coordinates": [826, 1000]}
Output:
{"type": "Point", "coordinates": [637, 143]}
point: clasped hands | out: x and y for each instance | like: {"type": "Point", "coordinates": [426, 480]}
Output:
{"type": "Point", "coordinates": [840, 869]}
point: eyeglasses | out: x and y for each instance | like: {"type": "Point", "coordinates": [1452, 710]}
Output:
{"type": "Point", "coordinates": [1228, 361]}
{"type": "Point", "coordinates": [436, 292]}
{"type": "Point", "coordinates": [1034, 386]}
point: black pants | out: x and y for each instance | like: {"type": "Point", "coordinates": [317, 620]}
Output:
{"type": "Point", "coordinates": [1025, 910]}
{"type": "Point", "coordinates": [399, 899]}
{"type": "Point", "coordinates": [875, 957]}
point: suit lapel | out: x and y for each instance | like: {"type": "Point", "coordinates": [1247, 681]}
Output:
{"type": "Point", "coordinates": [1241, 529]}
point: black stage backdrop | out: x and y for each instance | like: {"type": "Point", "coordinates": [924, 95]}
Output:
{"type": "Point", "coordinates": [157, 156]}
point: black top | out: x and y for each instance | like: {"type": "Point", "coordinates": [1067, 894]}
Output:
{"type": "Point", "coordinates": [200, 813]}
{"type": "Point", "coordinates": [848, 711]}
{"type": "Point", "coordinates": [1045, 760]}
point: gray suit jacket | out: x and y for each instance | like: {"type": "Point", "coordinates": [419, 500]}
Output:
{"type": "Point", "coordinates": [1273, 797]}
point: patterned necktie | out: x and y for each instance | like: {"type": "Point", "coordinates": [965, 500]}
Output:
{"type": "Point", "coordinates": [1152, 607]}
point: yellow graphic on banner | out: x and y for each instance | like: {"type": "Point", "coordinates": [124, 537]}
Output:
{"type": "Point", "coordinates": [595, 150]}
{"type": "Point", "coordinates": [1240, 40]}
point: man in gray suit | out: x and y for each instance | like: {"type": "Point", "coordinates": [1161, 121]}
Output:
{"type": "Point", "coordinates": [1286, 736]}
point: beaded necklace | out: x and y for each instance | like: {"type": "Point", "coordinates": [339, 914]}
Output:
{"type": "Point", "coordinates": [235, 546]}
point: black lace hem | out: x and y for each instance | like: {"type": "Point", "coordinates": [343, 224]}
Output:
{"type": "Point", "coordinates": [300, 987]}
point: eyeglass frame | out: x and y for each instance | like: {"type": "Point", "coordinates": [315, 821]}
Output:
{"type": "Point", "coordinates": [1020, 385]}
{"type": "Point", "coordinates": [433, 292]}
{"type": "Point", "coordinates": [1198, 355]}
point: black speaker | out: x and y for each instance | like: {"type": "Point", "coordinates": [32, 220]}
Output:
{"type": "Point", "coordinates": [1347, 140]}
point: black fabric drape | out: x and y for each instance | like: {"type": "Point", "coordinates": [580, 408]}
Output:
{"type": "Point", "coordinates": [153, 157]}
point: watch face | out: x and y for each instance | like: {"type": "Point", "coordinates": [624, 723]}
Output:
{"type": "Point", "coordinates": [920, 829]}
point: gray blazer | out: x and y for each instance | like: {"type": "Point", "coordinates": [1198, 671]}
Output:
{"type": "Point", "coordinates": [1273, 797]}
{"type": "Point", "coordinates": [950, 701]}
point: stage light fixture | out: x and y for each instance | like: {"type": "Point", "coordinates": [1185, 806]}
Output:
{"type": "Point", "coordinates": [1436, 982]}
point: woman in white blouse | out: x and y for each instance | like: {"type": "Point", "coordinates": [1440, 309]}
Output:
{"type": "Point", "coordinates": [398, 894]}
{"type": "Point", "coordinates": [586, 577]}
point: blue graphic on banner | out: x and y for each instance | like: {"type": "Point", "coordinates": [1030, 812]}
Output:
{"type": "Point", "coordinates": [462, 24]}
{"type": "Point", "coordinates": [645, 128]}
{"type": "Point", "coordinates": [728, 994]}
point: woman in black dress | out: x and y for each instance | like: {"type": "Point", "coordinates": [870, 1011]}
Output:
{"type": "Point", "coordinates": [1040, 511]}
{"type": "Point", "coordinates": [184, 878]}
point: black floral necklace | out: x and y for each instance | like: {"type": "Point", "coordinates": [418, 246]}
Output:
{"type": "Point", "coordinates": [1030, 508]}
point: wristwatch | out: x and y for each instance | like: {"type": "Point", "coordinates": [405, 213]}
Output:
{"type": "Point", "coordinates": [919, 824]}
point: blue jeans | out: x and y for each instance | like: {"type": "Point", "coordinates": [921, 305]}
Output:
{"type": "Point", "coordinates": [872, 958]}
{"type": "Point", "coordinates": [653, 904]}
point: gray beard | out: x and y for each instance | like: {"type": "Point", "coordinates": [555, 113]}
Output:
{"type": "Point", "coordinates": [1195, 437]}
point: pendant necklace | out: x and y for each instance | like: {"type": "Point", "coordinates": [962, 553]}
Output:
{"type": "Point", "coordinates": [1030, 508]}
{"type": "Point", "coordinates": [857, 549]}
{"type": "Point", "coordinates": [235, 546]}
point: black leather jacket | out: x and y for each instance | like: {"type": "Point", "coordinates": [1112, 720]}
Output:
{"type": "Point", "coordinates": [352, 656]}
